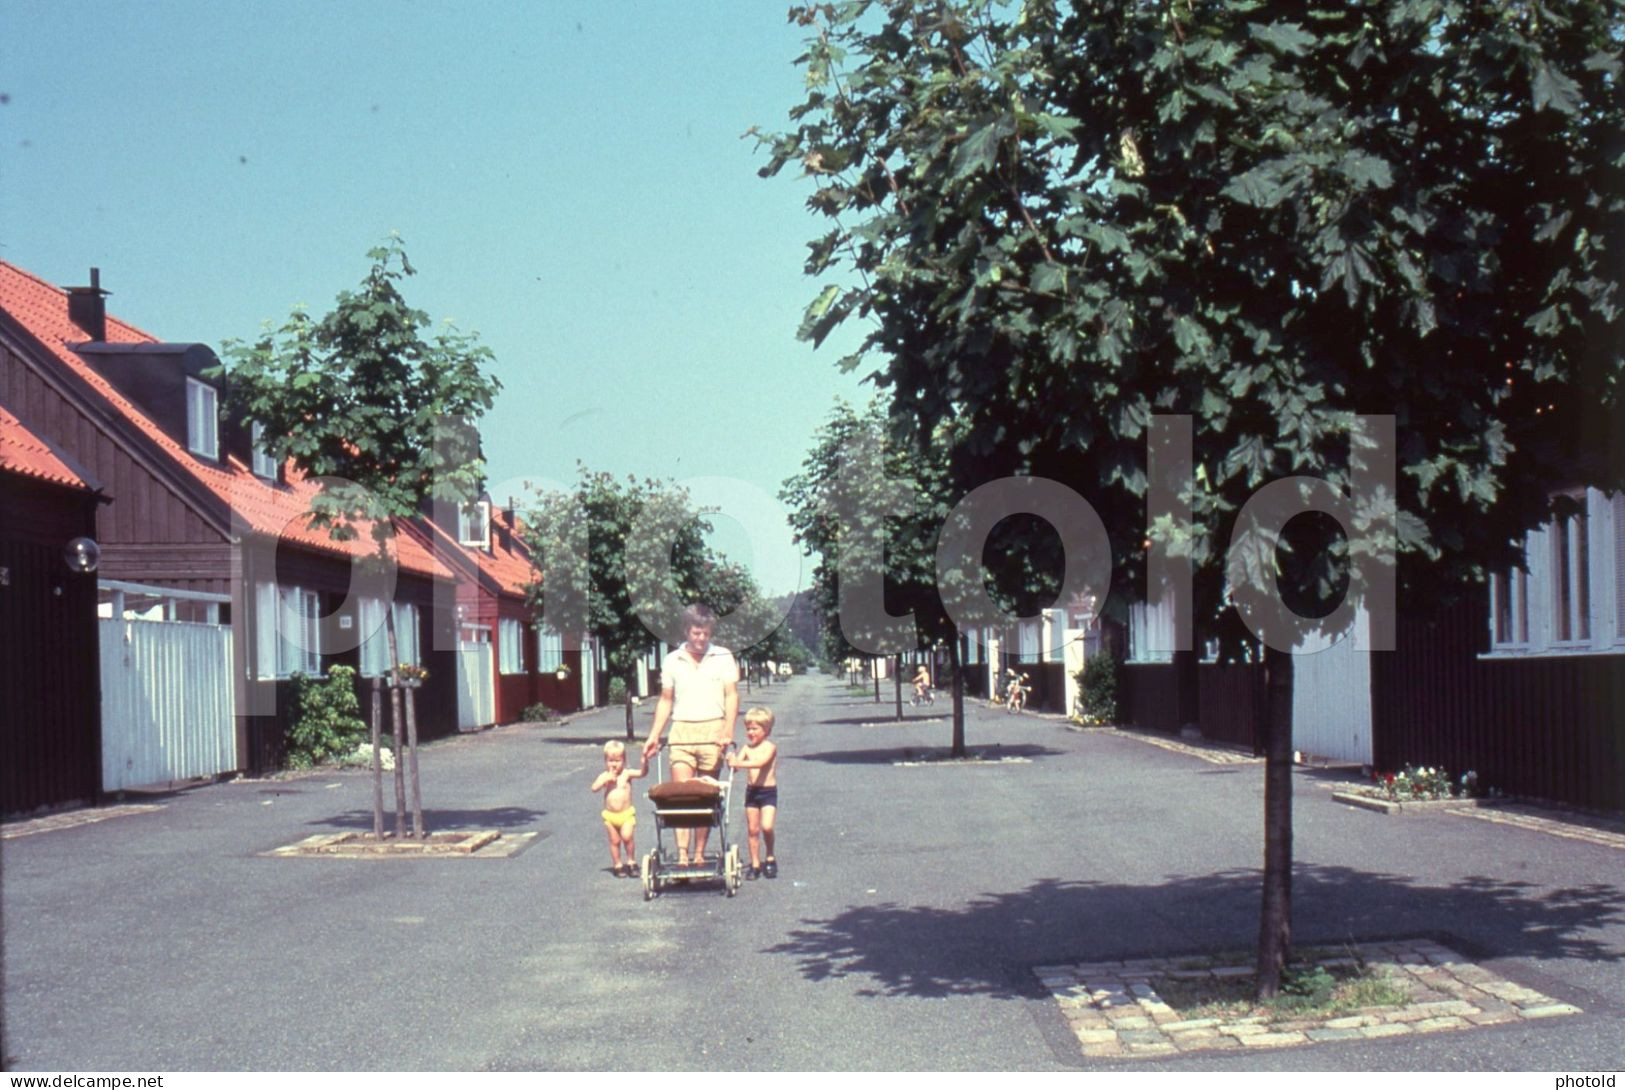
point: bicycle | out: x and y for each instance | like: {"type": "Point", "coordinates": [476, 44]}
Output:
{"type": "Point", "coordinates": [922, 695]}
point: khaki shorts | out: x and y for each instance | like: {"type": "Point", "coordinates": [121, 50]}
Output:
{"type": "Point", "coordinates": [694, 744]}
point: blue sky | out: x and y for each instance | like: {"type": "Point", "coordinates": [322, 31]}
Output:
{"type": "Point", "coordinates": [570, 181]}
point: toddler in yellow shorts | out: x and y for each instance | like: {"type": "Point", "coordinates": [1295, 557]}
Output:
{"type": "Point", "coordinates": [620, 817]}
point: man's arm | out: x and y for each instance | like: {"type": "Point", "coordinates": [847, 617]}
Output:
{"type": "Point", "coordinates": [730, 711]}
{"type": "Point", "coordinates": [662, 716]}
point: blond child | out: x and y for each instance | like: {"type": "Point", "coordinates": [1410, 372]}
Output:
{"type": "Point", "coordinates": [760, 758]}
{"type": "Point", "coordinates": [620, 819]}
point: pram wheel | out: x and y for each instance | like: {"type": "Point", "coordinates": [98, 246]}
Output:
{"type": "Point", "coordinates": [733, 875]}
{"type": "Point", "coordinates": [650, 873]}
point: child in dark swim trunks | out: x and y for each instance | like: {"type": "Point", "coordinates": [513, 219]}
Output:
{"type": "Point", "coordinates": [620, 819]}
{"type": "Point", "coordinates": [760, 758]}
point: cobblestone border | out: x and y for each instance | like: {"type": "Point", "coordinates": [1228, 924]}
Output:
{"type": "Point", "coordinates": [478, 844]}
{"type": "Point", "coordinates": [1529, 817]}
{"type": "Point", "coordinates": [1211, 754]}
{"type": "Point", "coordinates": [1113, 1008]}
{"type": "Point", "coordinates": [73, 819]}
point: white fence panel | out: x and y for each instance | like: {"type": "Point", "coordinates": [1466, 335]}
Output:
{"type": "Point", "coordinates": [167, 702]}
{"type": "Point", "coordinates": [476, 686]}
{"type": "Point", "coordinates": [1331, 699]}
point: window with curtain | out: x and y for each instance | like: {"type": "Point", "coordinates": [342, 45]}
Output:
{"type": "Point", "coordinates": [510, 646]}
{"type": "Point", "coordinates": [299, 632]}
{"type": "Point", "coordinates": [549, 650]}
{"type": "Point", "coordinates": [375, 636]}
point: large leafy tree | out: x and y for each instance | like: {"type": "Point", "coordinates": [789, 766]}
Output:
{"type": "Point", "coordinates": [383, 411]}
{"type": "Point", "coordinates": [1062, 220]}
{"type": "Point", "coordinates": [870, 506]}
{"type": "Point", "coordinates": [615, 556]}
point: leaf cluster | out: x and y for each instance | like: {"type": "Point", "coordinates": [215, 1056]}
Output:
{"type": "Point", "coordinates": [1058, 220]}
{"type": "Point", "coordinates": [369, 400]}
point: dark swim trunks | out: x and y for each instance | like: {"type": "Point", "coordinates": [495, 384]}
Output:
{"type": "Point", "coordinates": [762, 796]}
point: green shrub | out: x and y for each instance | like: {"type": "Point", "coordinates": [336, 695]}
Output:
{"type": "Point", "coordinates": [617, 690]}
{"type": "Point", "coordinates": [537, 713]}
{"type": "Point", "coordinates": [326, 719]}
{"type": "Point", "coordinates": [1097, 695]}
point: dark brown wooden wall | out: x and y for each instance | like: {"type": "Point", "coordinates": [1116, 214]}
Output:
{"type": "Point", "coordinates": [1230, 700]}
{"type": "Point", "coordinates": [147, 523]}
{"type": "Point", "coordinates": [1544, 727]}
{"type": "Point", "coordinates": [50, 671]}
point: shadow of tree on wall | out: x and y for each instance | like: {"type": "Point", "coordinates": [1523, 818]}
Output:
{"type": "Point", "coordinates": [986, 947]}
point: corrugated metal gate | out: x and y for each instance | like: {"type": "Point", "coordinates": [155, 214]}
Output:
{"type": "Point", "coordinates": [167, 710]}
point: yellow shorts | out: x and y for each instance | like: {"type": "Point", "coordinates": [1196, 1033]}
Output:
{"type": "Point", "coordinates": [624, 820]}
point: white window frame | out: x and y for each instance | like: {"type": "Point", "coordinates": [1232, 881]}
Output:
{"type": "Point", "coordinates": [202, 419]}
{"type": "Point", "coordinates": [261, 463]}
{"type": "Point", "coordinates": [1576, 564]}
{"type": "Point", "coordinates": [1509, 589]}
{"type": "Point", "coordinates": [549, 650]}
{"type": "Point", "coordinates": [1150, 625]}
{"type": "Point", "coordinates": [299, 632]}
{"type": "Point", "coordinates": [510, 646]}
{"type": "Point", "coordinates": [467, 533]}
{"type": "Point", "coordinates": [375, 637]}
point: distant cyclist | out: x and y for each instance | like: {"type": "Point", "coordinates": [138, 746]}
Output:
{"type": "Point", "coordinates": [922, 685]}
{"type": "Point", "coordinates": [1015, 694]}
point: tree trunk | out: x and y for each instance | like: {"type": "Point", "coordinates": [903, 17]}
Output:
{"type": "Point", "coordinates": [897, 681]}
{"type": "Point", "coordinates": [958, 748]}
{"type": "Point", "coordinates": [631, 734]}
{"type": "Point", "coordinates": [377, 760]}
{"type": "Point", "coordinates": [874, 668]}
{"type": "Point", "coordinates": [1275, 922]}
{"type": "Point", "coordinates": [395, 717]}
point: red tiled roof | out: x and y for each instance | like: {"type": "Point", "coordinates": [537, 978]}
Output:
{"type": "Point", "coordinates": [506, 567]}
{"type": "Point", "coordinates": [26, 454]}
{"type": "Point", "coordinates": [42, 309]}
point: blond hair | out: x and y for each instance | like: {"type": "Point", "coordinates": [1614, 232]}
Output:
{"type": "Point", "coordinates": [761, 715]}
{"type": "Point", "coordinates": [614, 748]}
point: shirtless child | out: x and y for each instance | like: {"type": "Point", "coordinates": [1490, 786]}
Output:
{"type": "Point", "coordinates": [620, 819]}
{"type": "Point", "coordinates": [760, 758]}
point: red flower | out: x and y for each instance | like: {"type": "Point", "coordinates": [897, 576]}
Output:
{"type": "Point", "coordinates": [1390, 779]}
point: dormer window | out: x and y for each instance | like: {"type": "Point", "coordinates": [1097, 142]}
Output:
{"type": "Point", "coordinates": [264, 465]}
{"type": "Point", "coordinates": [202, 419]}
{"type": "Point", "coordinates": [474, 525]}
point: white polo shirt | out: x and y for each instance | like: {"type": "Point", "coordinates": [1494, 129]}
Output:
{"type": "Point", "coordinates": [696, 687]}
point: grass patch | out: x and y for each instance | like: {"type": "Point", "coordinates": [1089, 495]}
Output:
{"type": "Point", "coordinates": [1307, 991]}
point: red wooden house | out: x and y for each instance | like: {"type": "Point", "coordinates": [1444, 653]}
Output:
{"type": "Point", "coordinates": [197, 507]}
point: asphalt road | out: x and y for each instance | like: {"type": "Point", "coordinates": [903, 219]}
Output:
{"type": "Point", "coordinates": [911, 904]}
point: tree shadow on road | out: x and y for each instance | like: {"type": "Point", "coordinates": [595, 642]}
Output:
{"type": "Point", "coordinates": [502, 817]}
{"type": "Point", "coordinates": [931, 754]}
{"type": "Point", "coordinates": [987, 947]}
{"type": "Point", "coordinates": [885, 717]}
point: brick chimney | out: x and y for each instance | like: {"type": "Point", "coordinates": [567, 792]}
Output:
{"type": "Point", "coordinates": [87, 308]}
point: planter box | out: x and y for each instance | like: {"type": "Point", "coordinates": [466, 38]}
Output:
{"type": "Point", "coordinates": [1420, 806]}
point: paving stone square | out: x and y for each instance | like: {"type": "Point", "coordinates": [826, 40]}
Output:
{"type": "Point", "coordinates": [1133, 1020]}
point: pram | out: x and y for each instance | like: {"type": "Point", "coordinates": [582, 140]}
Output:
{"type": "Point", "coordinates": [692, 804]}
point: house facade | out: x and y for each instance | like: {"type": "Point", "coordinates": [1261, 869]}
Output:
{"type": "Point", "coordinates": [198, 508]}
{"type": "Point", "coordinates": [1522, 681]}
{"type": "Point", "coordinates": [506, 661]}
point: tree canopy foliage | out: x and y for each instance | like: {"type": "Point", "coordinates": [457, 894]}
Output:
{"type": "Point", "coordinates": [1284, 221]}
{"type": "Point", "coordinates": [1062, 219]}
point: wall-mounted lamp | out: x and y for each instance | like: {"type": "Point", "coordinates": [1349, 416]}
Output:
{"type": "Point", "coordinates": [82, 554]}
